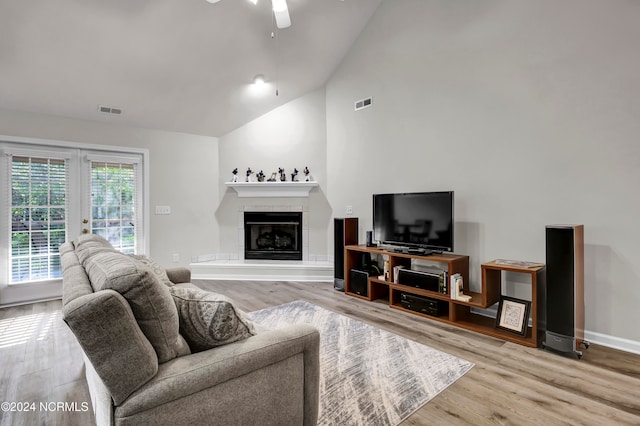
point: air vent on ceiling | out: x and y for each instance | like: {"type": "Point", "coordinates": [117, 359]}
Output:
{"type": "Point", "coordinates": [109, 110]}
{"type": "Point", "coordinates": [364, 103]}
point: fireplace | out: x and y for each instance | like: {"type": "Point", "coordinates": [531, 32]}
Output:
{"type": "Point", "coordinates": [273, 235]}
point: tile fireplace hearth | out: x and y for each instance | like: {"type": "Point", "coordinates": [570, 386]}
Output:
{"type": "Point", "coordinates": [277, 237]}
{"type": "Point", "coordinates": [263, 270]}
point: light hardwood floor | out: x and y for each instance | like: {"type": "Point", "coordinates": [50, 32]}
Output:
{"type": "Point", "coordinates": [510, 384]}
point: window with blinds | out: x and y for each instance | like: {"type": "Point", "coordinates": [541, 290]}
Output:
{"type": "Point", "coordinates": [113, 203]}
{"type": "Point", "coordinates": [38, 217]}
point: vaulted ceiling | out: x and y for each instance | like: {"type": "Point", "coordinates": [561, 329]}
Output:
{"type": "Point", "coordinates": [177, 65]}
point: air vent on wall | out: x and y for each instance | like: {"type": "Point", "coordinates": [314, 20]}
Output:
{"type": "Point", "coordinates": [364, 103]}
{"type": "Point", "coordinates": [109, 110]}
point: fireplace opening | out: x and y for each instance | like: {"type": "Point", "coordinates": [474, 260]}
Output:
{"type": "Point", "coordinates": [273, 235]}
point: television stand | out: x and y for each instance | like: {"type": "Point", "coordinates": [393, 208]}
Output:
{"type": "Point", "coordinates": [456, 312]}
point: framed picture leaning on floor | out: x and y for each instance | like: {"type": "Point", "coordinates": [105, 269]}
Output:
{"type": "Point", "coordinates": [513, 315]}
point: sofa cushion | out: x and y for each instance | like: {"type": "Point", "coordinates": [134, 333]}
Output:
{"type": "Point", "coordinates": [75, 282]}
{"type": "Point", "coordinates": [208, 319]}
{"type": "Point", "coordinates": [150, 300]}
{"type": "Point", "coordinates": [87, 245]}
{"type": "Point", "coordinates": [157, 270]}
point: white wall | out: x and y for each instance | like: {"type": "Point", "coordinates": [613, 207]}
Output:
{"type": "Point", "coordinates": [528, 110]}
{"type": "Point", "coordinates": [183, 175]}
{"type": "Point", "coordinates": [291, 136]}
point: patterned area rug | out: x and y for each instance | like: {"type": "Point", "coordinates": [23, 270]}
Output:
{"type": "Point", "coordinates": [368, 376]}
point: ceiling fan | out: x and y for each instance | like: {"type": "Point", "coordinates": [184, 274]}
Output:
{"type": "Point", "coordinates": [280, 12]}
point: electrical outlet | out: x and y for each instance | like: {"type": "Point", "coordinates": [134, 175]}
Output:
{"type": "Point", "coordinates": [349, 210]}
{"type": "Point", "coordinates": [176, 257]}
{"type": "Point", "coordinates": [163, 209]}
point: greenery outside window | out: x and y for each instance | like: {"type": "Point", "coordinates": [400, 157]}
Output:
{"type": "Point", "coordinates": [38, 217]}
{"type": "Point", "coordinates": [113, 203]}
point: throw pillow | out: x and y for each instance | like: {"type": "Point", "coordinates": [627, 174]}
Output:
{"type": "Point", "coordinates": [158, 270]}
{"type": "Point", "coordinates": [150, 300]}
{"type": "Point", "coordinates": [208, 319]}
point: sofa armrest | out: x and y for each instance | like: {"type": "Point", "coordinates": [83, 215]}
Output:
{"type": "Point", "coordinates": [110, 337]}
{"type": "Point", "coordinates": [185, 376]}
{"type": "Point", "coordinates": [179, 275]}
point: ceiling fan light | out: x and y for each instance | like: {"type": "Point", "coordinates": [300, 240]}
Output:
{"type": "Point", "coordinates": [281, 13]}
{"type": "Point", "coordinates": [282, 19]}
{"type": "Point", "coordinates": [279, 5]}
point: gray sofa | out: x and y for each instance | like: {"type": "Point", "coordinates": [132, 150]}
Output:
{"type": "Point", "coordinates": [142, 371]}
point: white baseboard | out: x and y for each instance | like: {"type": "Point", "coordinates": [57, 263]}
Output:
{"type": "Point", "coordinates": [590, 336]}
{"type": "Point", "coordinates": [612, 342]}
{"type": "Point", "coordinates": [29, 302]}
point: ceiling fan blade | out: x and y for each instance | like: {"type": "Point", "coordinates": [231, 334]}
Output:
{"type": "Point", "coordinates": [281, 13]}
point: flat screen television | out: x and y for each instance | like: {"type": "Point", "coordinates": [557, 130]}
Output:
{"type": "Point", "coordinates": [416, 220]}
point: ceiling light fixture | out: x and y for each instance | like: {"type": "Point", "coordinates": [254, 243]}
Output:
{"type": "Point", "coordinates": [281, 13]}
{"type": "Point", "coordinates": [258, 80]}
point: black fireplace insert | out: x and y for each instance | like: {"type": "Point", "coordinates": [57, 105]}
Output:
{"type": "Point", "coordinates": [273, 235]}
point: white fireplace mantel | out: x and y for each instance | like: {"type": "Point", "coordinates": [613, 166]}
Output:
{"type": "Point", "coordinates": [272, 189]}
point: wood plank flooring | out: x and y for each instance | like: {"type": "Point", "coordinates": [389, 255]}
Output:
{"type": "Point", "coordinates": [40, 366]}
{"type": "Point", "coordinates": [40, 361]}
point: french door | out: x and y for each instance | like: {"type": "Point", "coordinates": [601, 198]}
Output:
{"type": "Point", "coordinates": [111, 205]}
{"type": "Point", "coordinates": [54, 194]}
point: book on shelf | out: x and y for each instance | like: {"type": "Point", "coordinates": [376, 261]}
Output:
{"type": "Point", "coordinates": [443, 287]}
{"type": "Point", "coordinates": [395, 273]}
{"type": "Point", "coordinates": [456, 286]}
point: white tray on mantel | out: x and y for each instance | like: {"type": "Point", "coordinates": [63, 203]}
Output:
{"type": "Point", "coordinates": [272, 189]}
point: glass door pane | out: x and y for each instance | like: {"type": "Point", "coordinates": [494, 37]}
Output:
{"type": "Point", "coordinates": [113, 212]}
{"type": "Point", "coordinates": [38, 217]}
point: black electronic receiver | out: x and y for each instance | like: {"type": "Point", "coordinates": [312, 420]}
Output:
{"type": "Point", "coordinates": [419, 279]}
{"type": "Point", "coordinates": [424, 305]}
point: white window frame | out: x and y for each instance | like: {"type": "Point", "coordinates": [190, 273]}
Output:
{"type": "Point", "coordinates": [16, 293]}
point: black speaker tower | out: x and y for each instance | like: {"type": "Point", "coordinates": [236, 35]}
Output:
{"type": "Point", "coordinates": [345, 232]}
{"type": "Point", "coordinates": [565, 289]}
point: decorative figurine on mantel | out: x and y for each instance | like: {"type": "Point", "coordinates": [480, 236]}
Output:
{"type": "Point", "coordinates": [235, 175]}
{"type": "Point", "coordinates": [283, 175]}
{"type": "Point", "coordinates": [294, 175]}
{"type": "Point", "coordinates": [249, 173]}
{"type": "Point", "coordinates": [272, 178]}
{"type": "Point", "coordinates": [260, 176]}
{"type": "Point", "coordinates": [307, 177]}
